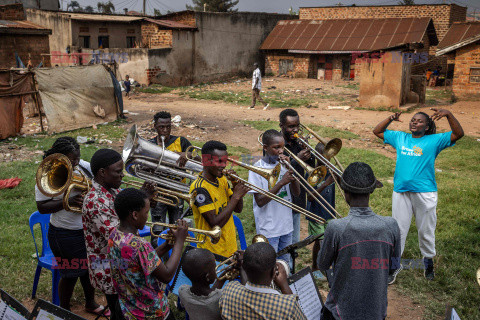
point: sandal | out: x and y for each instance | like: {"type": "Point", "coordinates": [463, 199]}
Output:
{"type": "Point", "coordinates": [99, 311]}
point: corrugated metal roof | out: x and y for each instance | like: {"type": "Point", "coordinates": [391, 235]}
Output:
{"type": "Point", "coordinates": [348, 35]}
{"type": "Point", "coordinates": [459, 35]}
{"type": "Point", "coordinates": [170, 24]}
{"type": "Point", "coordinates": [102, 17]}
{"type": "Point", "coordinates": [27, 26]}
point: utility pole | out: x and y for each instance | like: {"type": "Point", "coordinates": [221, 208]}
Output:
{"type": "Point", "coordinates": [144, 3]}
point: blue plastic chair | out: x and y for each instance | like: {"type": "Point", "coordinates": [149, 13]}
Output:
{"type": "Point", "coordinates": [241, 234]}
{"type": "Point", "coordinates": [46, 259]}
{"type": "Point", "coordinates": [145, 232]}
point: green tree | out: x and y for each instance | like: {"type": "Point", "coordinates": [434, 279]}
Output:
{"type": "Point", "coordinates": [106, 7]}
{"type": "Point", "coordinates": [156, 12]}
{"type": "Point", "coordinates": [74, 5]}
{"type": "Point", "coordinates": [406, 2]}
{"type": "Point", "coordinates": [214, 5]}
{"type": "Point", "coordinates": [88, 9]}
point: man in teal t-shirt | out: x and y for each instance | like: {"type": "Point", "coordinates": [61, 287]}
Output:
{"type": "Point", "coordinates": [414, 185]}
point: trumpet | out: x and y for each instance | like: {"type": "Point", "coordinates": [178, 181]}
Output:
{"type": "Point", "coordinates": [230, 273]}
{"type": "Point", "coordinates": [165, 196]}
{"type": "Point", "coordinates": [213, 234]}
{"type": "Point", "coordinates": [56, 175]}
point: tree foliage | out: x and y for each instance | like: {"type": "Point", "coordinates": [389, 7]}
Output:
{"type": "Point", "coordinates": [214, 5]}
{"type": "Point", "coordinates": [156, 12]}
{"type": "Point", "coordinates": [74, 5]}
{"type": "Point", "coordinates": [106, 7]}
{"type": "Point", "coordinates": [88, 9]}
{"type": "Point", "coordinates": [406, 2]}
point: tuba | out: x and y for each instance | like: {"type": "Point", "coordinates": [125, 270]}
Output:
{"type": "Point", "coordinates": [56, 176]}
{"type": "Point", "coordinates": [149, 162]}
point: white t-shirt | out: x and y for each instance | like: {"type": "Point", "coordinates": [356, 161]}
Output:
{"type": "Point", "coordinates": [273, 219]}
{"type": "Point", "coordinates": [257, 74]}
{"type": "Point", "coordinates": [64, 219]}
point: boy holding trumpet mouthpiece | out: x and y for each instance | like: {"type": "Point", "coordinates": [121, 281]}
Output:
{"type": "Point", "coordinates": [139, 276]}
{"type": "Point", "coordinates": [215, 202]}
{"type": "Point", "coordinates": [272, 219]}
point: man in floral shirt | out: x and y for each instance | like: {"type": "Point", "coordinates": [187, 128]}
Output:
{"type": "Point", "coordinates": [99, 220]}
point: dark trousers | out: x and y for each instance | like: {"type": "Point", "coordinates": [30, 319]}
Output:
{"type": "Point", "coordinates": [159, 214]}
{"type": "Point", "coordinates": [327, 315]}
{"type": "Point", "coordinates": [255, 96]}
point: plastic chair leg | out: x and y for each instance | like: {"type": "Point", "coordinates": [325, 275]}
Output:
{"type": "Point", "coordinates": [55, 282]}
{"type": "Point", "coordinates": [35, 281]}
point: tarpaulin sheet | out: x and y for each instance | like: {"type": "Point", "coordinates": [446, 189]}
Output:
{"type": "Point", "coordinates": [70, 94]}
{"type": "Point", "coordinates": [12, 84]}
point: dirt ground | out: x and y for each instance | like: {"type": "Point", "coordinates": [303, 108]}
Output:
{"type": "Point", "coordinates": [205, 120]}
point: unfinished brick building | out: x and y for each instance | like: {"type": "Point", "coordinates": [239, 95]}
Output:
{"type": "Point", "coordinates": [461, 46]}
{"type": "Point", "coordinates": [21, 37]}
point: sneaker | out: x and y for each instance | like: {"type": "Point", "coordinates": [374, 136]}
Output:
{"type": "Point", "coordinates": [392, 277]}
{"type": "Point", "coordinates": [251, 108]}
{"type": "Point", "coordinates": [429, 274]}
{"type": "Point", "coordinates": [266, 107]}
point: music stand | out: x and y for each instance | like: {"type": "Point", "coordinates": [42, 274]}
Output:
{"type": "Point", "coordinates": [292, 249]}
{"type": "Point", "coordinates": [43, 306]}
{"type": "Point", "coordinates": [14, 303]}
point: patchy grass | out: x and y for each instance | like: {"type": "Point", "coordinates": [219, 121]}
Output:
{"type": "Point", "coordinates": [438, 96]}
{"type": "Point", "coordinates": [321, 130]}
{"type": "Point", "coordinates": [155, 89]}
{"type": "Point", "coordinates": [354, 86]}
{"type": "Point", "coordinates": [457, 235]}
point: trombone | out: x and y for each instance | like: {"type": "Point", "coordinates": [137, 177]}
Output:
{"type": "Point", "coordinates": [165, 196]}
{"type": "Point", "coordinates": [213, 234]}
{"type": "Point", "coordinates": [315, 175]}
{"type": "Point", "coordinates": [236, 178]}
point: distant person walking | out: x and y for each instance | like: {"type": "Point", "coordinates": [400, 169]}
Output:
{"type": "Point", "coordinates": [256, 87]}
{"type": "Point", "coordinates": [127, 84]}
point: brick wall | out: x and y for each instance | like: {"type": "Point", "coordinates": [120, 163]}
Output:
{"type": "Point", "coordinates": [152, 73]}
{"type": "Point", "coordinates": [186, 17]}
{"type": "Point", "coordinates": [153, 37]}
{"type": "Point", "coordinates": [442, 15]}
{"type": "Point", "coordinates": [12, 12]}
{"type": "Point", "coordinates": [303, 66]}
{"type": "Point", "coordinates": [466, 58]}
{"type": "Point", "coordinates": [26, 46]}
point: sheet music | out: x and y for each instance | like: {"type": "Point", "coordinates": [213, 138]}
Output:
{"type": "Point", "coordinates": [307, 296]}
{"type": "Point", "coordinates": [7, 313]}
{"type": "Point", "coordinates": [45, 315]}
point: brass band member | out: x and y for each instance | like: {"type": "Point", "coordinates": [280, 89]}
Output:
{"type": "Point", "coordinates": [163, 126]}
{"type": "Point", "coordinates": [290, 125]}
{"type": "Point", "coordinates": [65, 232]}
{"type": "Point", "coordinates": [215, 202]}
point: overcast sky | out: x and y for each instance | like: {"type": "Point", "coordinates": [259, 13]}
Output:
{"type": "Point", "coordinates": [279, 6]}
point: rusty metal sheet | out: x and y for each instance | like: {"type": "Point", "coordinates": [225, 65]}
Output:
{"type": "Point", "coordinates": [170, 24]}
{"type": "Point", "coordinates": [23, 24]}
{"type": "Point", "coordinates": [346, 35]}
{"type": "Point", "coordinates": [460, 32]}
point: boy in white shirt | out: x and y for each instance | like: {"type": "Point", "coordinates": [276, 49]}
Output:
{"type": "Point", "coordinates": [272, 219]}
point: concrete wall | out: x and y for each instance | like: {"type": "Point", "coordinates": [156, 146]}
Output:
{"type": "Point", "coordinates": [61, 36]}
{"type": "Point", "coordinates": [383, 84]}
{"type": "Point", "coordinates": [226, 44]}
{"type": "Point", "coordinates": [117, 32]}
{"type": "Point", "coordinates": [467, 58]}
{"type": "Point", "coordinates": [38, 4]}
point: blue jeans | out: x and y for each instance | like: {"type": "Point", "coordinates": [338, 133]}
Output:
{"type": "Point", "coordinates": [296, 227]}
{"type": "Point", "coordinates": [278, 243]}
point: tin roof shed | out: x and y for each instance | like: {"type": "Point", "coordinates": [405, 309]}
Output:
{"type": "Point", "coordinates": [348, 35]}
{"type": "Point", "coordinates": [459, 35]}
